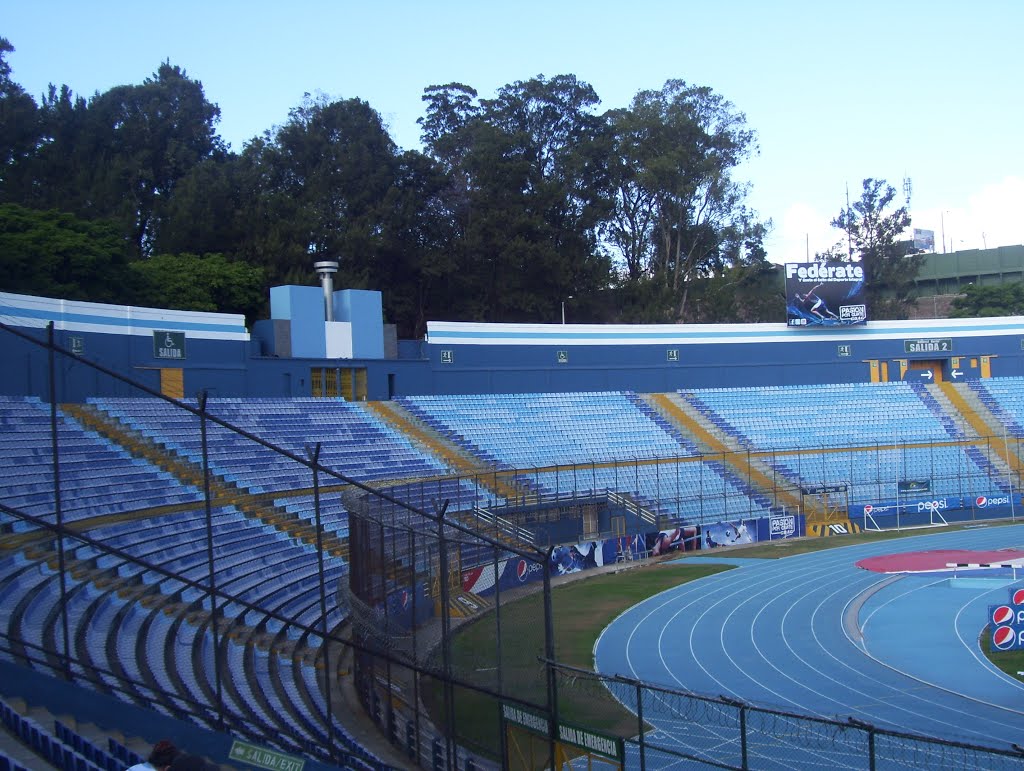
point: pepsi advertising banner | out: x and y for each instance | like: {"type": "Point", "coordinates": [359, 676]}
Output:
{"type": "Point", "coordinates": [905, 508]}
{"type": "Point", "coordinates": [514, 572]}
{"type": "Point", "coordinates": [825, 294]}
{"type": "Point", "coordinates": [954, 508]}
{"type": "Point", "coordinates": [407, 607]}
{"type": "Point", "coordinates": [509, 574]}
{"type": "Point", "coordinates": [1007, 623]}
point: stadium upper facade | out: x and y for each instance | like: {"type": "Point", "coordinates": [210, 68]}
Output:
{"type": "Point", "coordinates": [355, 356]}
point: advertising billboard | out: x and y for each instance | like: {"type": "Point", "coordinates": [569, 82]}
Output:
{"type": "Point", "coordinates": [825, 294]}
{"type": "Point", "coordinates": [924, 240]}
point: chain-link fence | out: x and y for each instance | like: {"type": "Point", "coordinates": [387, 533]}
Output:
{"type": "Point", "coordinates": [166, 552]}
{"type": "Point", "coordinates": [677, 729]}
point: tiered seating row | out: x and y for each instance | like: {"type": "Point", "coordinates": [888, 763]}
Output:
{"type": "Point", "coordinates": [169, 658]}
{"type": "Point", "coordinates": [57, 746]}
{"type": "Point", "coordinates": [353, 441]}
{"type": "Point", "coordinates": [532, 430]}
{"type": "Point", "coordinates": [590, 429]}
{"type": "Point", "coordinates": [97, 477]}
{"type": "Point", "coordinates": [839, 415]}
{"type": "Point", "coordinates": [1005, 398]}
{"type": "Point", "coordinates": [785, 418]}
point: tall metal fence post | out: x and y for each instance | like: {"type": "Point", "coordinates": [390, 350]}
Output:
{"type": "Point", "coordinates": [549, 654]}
{"type": "Point", "coordinates": [446, 642]}
{"type": "Point", "coordinates": [870, 731]}
{"type": "Point", "coordinates": [58, 509]}
{"type": "Point", "coordinates": [640, 724]}
{"type": "Point", "coordinates": [314, 457]}
{"type": "Point", "coordinates": [214, 625]}
{"type": "Point", "coordinates": [502, 739]}
{"type": "Point", "coordinates": [413, 751]}
{"type": "Point", "coordinates": [743, 736]}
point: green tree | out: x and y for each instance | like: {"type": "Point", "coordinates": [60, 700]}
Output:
{"type": "Point", "coordinates": [211, 208]}
{"type": "Point", "coordinates": [191, 282]}
{"type": "Point", "coordinates": [987, 301]}
{"type": "Point", "coordinates": [19, 120]}
{"type": "Point", "coordinates": [323, 180]}
{"type": "Point", "coordinates": [527, 195]}
{"type": "Point", "coordinates": [890, 264]}
{"type": "Point", "coordinates": [678, 212]}
{"type": "Point", "coordinates": [120, 155]}
{"type": "Point", "coordinates": [54, 254]}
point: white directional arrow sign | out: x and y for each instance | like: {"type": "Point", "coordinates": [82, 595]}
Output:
{"type": "Point", "coordinates": [957, 373]}
{"type": "Point", "coordinates": [927, 374]}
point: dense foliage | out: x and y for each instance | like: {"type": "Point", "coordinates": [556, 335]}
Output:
{"type": "Point", "coordinates": [514, 206]}
{"type": "Point", "coordinates": [873, 228]}
{"type": "Point", "coordinates": [987, 301]}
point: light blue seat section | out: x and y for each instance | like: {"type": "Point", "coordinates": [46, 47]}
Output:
{"type": "Point", "coordinates": [837, 415]}
{"type": "Point", "coordinates": [176, 655]}
{"type": "Point", "coordinates": [97, 477]}
{"type": "Point", "coordinates": [252, 561]}
{"type": "Point", "coordinates": [531, 430]}
{"type": "Point", "coordinates": [694, 492]}
{"type": "Point", "coordinates": [1004, 397]}
{"type": "Point", "coordinates": [353, 441]}
{"type": "Point", "coordinates": [855, 415]}
{"type": "Point", "coordinates": [590, 429]}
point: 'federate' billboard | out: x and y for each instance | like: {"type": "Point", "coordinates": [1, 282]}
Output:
{"type": "Point", "coordinates": [825, 294]}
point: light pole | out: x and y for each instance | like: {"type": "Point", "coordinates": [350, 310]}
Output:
{"type": "Point", "coordinates": [563, 307]}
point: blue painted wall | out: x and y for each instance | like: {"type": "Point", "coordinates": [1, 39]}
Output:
{"type": "Point", "coordinates": [364, 310]}
{"type": "Point", "coordinates": [488, 358]}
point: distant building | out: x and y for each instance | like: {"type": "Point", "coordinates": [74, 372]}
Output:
{"type": "Point", "coordinates": [943, 277]}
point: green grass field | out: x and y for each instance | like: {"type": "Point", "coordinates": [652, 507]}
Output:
{"type": "Point", "coordinates": [582, 609]}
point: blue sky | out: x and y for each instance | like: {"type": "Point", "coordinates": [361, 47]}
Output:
{"type": "Point", "coordinates": [836, 92]}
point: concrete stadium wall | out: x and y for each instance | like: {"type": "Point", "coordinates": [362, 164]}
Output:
{"type": "Point", "coordinates": [219, 356]}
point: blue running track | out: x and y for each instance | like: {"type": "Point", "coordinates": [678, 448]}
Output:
{"type": "Point", "coordinates": [816, 635]}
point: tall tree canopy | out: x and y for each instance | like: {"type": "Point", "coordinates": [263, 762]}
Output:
{"type": "Point", "coordinates": [890, 263]}
{"type": "Point", "coordinates": [515, 204]}
{"type": "Point", "coordinates": [119, 155]}
{"type": "Point", "coordinates": [527, 194]}
{"type": "Point", "coordinates": [19, 122]}
{"type": "Point", "coordinates": [679, 214]}
{"type": "Point", "coordinates": [985, 301]}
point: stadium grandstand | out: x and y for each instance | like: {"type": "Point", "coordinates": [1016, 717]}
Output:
{"type": "Point", "coordinates": [264, 544]}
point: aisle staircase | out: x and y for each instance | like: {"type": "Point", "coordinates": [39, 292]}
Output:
{"type": "Point", "coordinates": [222, 491]}
{"type": "Point", "coordinates": [719, 446]}
{"type": "Point", "coordinates": [982, 422]}
{"type": "Point", "coordinates": [455, 457]}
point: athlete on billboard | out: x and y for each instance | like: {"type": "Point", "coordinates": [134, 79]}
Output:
{"type": "Point", "coordinates": [679, 539]}
{"type": "Point", "coordinates": [814, 305]}
{"type": "Point", "coordinates": [727, 534]}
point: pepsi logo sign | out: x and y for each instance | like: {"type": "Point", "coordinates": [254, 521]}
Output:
{"type": "Point", "coordinates": [1003, 614]}
{"type": "Point", "coordinates": [868, 508]}
{"type": "Point", "coordinates": [525, 568]}
{"type": "Point", "coordinates": [1017, 597]}
{"type": "Point", "coordinates": [1004, 638]}
{"type": "Point", "coordinates": [983, 501]}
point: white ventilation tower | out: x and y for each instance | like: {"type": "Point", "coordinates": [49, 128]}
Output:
{"type": "Point", "coordinates": [326, 270]}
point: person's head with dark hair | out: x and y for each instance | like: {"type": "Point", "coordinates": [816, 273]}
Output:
{"type": "Point", "coordinates": [163, 754]}
{"type": "Point", "coordinates": [188, 762]}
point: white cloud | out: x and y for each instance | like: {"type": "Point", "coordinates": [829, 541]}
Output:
{"type": "Point", "coordinates": [802, 232]}
{"type": "Point", "coordinates": [991, 217]}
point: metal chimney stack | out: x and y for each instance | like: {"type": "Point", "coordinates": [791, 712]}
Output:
{"type": "Point", "coordinates": [326, 270]}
